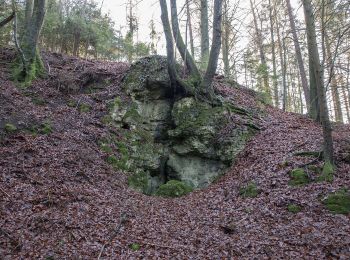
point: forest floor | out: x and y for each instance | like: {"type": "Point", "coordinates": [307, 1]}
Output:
{"type": "Point", "coordinates": [59, 199]}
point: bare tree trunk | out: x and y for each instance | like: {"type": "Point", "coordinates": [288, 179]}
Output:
{"type": "Point", "coordinates": [284, 72]}
{"type": "Point", "coordinates": [190, 27]}
{"type": "Point", "coordinates": [185, 55]}
{"type": "Point", "coordinates": [273, 50]}
{"type": "Point", "coordinates": [261, 52]}
{"type": "Point", "coordinates": [299, 55]}
{"type": "Point", "coordinates": [169, 42]}
{"type": "Point", "coordinates": [7, 20]}
{"type": "Point", "coordinates": [76, 44]}
{"type": "Point", "coordinates": [333, 81]}
{"type": "Point", "coordinates": [318, 76]}
{"type": "Point", "coordinates": [204, 34]}
{"type": "Point", "coordinates": [225, 41]}
{"type": "Point", "coordinates": [214, 51]}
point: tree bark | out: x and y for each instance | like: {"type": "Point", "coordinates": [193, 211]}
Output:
{"type": "Point", "coordinates": [314, 59]}
{"type": "Point", "coordinates": [299, 55]}
{"type": "Point", "coordinates": [185, 55]}
{"type": "Point", "coordinates": [333, 81]}
{"type": "Point", "coordinates": [7, 20]}
{"type": "Point", "coordinates": [190, 27]}
{"type": "Point", "coordinates": [261, 52]}
{"type": "Point", "coordinates": [225, 40]}
{"type": "Point", "coordinates": [273, 50]}
{"type": "Point", "coordinates": [169, 43]}
{"type": "Point", "coordinates": [34, 21]}
{"type": "Point", "coordinates": [204, 28]}
{"type": "Point", "coordinates": [215, 49]}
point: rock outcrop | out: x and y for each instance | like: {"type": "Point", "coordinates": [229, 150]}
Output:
{"type": "Point", "coordinates": [172, 136]}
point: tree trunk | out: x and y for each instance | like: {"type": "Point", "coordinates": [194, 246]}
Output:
{"type": "Point", "coordinates": [169, 42]}
{"type": "Point", "coordinates": [7, 20]}
{"type": "Point", "coordinates": [225, 41]}
{"type": "Point", "coordinates": [318, 76]}
{"type": "Point", "coordinates": [190, 27]}
{"type": "Point", "coordinates": [333, 81]}
{"type": "Point", "coordinates": [273, 50]}
{"type": "Point", "coordinates": [33, 66]}
{"type": "Point", "coordinates": [261, 52]}
{"type": "Point", "coordinates": [284, 76]}
{"type": "Point", "coordinates": [299, 56]}
{"type": "Point", "coordinates": [76, 44]}
{"type": "Point", "coordinates": [214, 51]}
{"type": "Point", "coordinates": [204, 28]}
{"type": "Point", "coordinates": [185, 55]}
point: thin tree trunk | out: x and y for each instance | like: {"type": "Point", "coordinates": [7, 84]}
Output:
{"type": "Point", "coordinates": [284, 76]}
{"type": "Point", "coordinates": [225, 41]}
{"type": "Point", "coordinates": [7, 20]}
{"type": "Point", "coordinates": [318, 76]}
{"type": "Point", "coordinates": [299, 55]}
{"type": "Point", "coordinates": [261, 52]}
{"type": "Point", "coordinates": [214, 51]}
{"type": "Point", "coordinates": [333, 81]}
{"type": "Point", "coordinates": [204, 28]}
{"type": "Point", "coordinates": [190, 27]}
{"type": "Point", "coordinates": [169, 42]}
{"type": "Point", "coordinates": [185, 55]}
{"type": "Point", "coordinates": [273, 50]}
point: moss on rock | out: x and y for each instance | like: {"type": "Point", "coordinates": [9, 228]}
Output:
{"type": "Point", "coordinates": [173, 188]}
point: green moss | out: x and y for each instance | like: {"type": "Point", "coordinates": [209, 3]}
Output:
{"type": "Point", "coordinates": [298, 177]}
{"type": "Point", "coordinates": [134, 247]}
{"type": "Point", "coordinates": [173, 188]}
{"type": "Point", "coordinates": [338, 202]}
{"type": "Point", "coordinates": [106, 148]}
{"type": "Point", "coordinates": [107, 119]}
{"type": "Point", "coordinates": [327, 172]}
{"type": "Point", "coordinates": [39, 101]}
{"type": "Point", "coordinates": [46, 128]}
{"type": "Point", "coordinates": [83, 108]}
{"type": "Point", "coordinates": [138, 181]}
{"type": "Point", "coordinates": [71, 103]}
{"type": "Point", "coordinates": [249, 191]}
{"type": "Point", "coordinates": [25, 77]}
{"type": "Point", "coordinates": [10, 128]}
{"type": "Point", "coordinates": [124, 156]}
{"type": "Point", "coordinates": [294, 208]}
{"type": "Point", "coordinates": [112, 160]}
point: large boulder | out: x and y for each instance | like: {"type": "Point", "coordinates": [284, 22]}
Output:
{"type": "Point", "coordinates": [172, 136]}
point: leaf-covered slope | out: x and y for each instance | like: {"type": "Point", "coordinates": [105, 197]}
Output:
{"type": "Point", "coordinates": [60, 199]}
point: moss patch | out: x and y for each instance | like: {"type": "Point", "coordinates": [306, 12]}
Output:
{"type": "Point", "coordinates": [173, 188]}
{"type": "Point", "coordinates": [10, 128]}
{"type": "Point", "coordinates": [134, 247]}
{"type": "Point", "coordinates": [249, 191]}
{"type": "Point", "coordinates": [138, 181]}
{"type": "Point", "coordinates": [338, 202]}
{"type": "Point", "coordinates": [294, 208]}
{"type": "Point", "coordinates": [83, 108]}
{"type": "Point", "coordinates": [327, 172]}
{"type": "Point", "coordinates": [298, 177]}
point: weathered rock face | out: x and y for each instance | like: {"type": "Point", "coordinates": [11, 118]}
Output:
{"type": "Point", "coordinates": [170, 136]}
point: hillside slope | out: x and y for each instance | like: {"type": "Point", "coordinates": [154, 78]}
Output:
{"type": "Point", "coordinates": [59, 199]}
